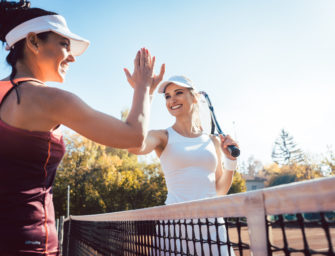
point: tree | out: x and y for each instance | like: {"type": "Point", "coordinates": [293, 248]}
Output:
{"type": "Point", "coordinates": [104, 179]}
{"type": "Point", "coordinates": [277, 175]}
{"type": "Point", "coordinates": [285, 150]}
{"type": "Point", "coordinates": [238, 184]}
{"type": "Point", "coordinates": [252, 167]}
{"type": "Point", "coordinates": [329, 162]}
{"type": "Point", "coordinates": [282, 178]}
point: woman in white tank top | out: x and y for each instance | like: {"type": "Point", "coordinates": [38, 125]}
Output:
{"type": "Point", "coordinates": [190, 158]}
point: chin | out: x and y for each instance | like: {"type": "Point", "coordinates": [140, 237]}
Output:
{"type": "Point", "coordinates": [174, 113]}
{"type": "Point", "coordinates": [59, 78]}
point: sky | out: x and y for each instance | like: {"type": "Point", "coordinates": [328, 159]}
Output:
{"type": "Point", "coordinates": [266, 65]}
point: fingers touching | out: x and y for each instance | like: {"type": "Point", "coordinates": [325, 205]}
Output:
{"type": "Point", "coordinates": [144, 70]}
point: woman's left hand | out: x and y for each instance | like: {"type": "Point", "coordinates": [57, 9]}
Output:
{"type": "Point", "coordinates": [225, 142]}
{"type": "Point", "coordinates": [155, 79]}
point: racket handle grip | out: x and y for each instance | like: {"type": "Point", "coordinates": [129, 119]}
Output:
{"type": "Point", "coordinates": [234, 151]}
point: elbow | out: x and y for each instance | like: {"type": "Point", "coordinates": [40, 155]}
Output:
{"type": "Point", "coordinates": [138, 140]}
{"type": "Point", "coordinates": [134, 151]}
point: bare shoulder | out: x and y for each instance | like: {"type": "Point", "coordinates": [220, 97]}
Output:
{"type": "Point", "coordinates": [45, 92]}
{"type": "Point", "coordinates": [51, 102]}
{"type": "Point", "coordinates": [161, 138]}
{"type": "Point", "coordinates": [162, 135]}
{"type": "Point", "coordinates": [157, 140]}
{"type": "Point", "coordinates": [50, 98]}
{"type": "Point", "coordinates": [161, 132]}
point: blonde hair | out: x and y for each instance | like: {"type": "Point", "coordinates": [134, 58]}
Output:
{"type": "Point", "coordinates": [196, 123]}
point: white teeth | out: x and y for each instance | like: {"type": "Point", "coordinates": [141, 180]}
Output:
{"type": "Point", "coordinates": [175, 107]}
{"type": "Point", "coordinates": [64, 68]}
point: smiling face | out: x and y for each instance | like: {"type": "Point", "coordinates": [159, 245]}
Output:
{"type": "Point", "coordinates": [179, 100]}
{"type": "Point", "coordinates": [53, 57]}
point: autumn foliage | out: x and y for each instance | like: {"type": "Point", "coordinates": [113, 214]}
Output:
{"type": "Point", "coordinates": [105, 179]}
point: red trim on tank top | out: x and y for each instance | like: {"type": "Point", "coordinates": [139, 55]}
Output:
{"type": "Point", "coordinates": [45, 209]}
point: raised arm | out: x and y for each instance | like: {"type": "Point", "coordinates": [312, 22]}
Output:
{"type": "Point", "coordinates": [99, 127]}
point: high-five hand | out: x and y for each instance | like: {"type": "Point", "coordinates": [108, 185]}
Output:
{"type": "Point", "coordinates": [143, 58]}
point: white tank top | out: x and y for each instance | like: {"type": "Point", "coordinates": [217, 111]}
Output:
{"type": "Point", "coordinates": [189, 166]}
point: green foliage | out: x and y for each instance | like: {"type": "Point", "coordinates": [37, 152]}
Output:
{"type": "Point", "coordinates": [105, 179]}
{"type": "Point", "coordinates": [306, 170]}
{"type": "Point", "coordinates": [238, 184]}
{"type": "Point", "coordinates": [283, 178]}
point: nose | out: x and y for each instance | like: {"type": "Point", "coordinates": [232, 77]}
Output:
{"type": "Point", "coordinates": [71, 58]}
{"type": "Point", "coordinates": [174, 98]}
{"type": "Point", "coordinates": [170, 101]}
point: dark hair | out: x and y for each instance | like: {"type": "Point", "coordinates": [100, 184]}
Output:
{"type": "Point", "coordinates": [11, 15]}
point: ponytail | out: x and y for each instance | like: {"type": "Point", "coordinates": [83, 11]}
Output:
{"type": "Point", "coordinates": [196, 123]}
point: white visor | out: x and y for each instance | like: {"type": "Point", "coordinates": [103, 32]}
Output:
{"type": "Point", "coordinates": [182, 81]}
{"type": "Point", "coordinates": [54, 23]}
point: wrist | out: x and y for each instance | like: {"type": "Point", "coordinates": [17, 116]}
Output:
{"type": "Point", "coordinates": [142, 85]}
{"type": "Point", "coordinates": [229, 165]}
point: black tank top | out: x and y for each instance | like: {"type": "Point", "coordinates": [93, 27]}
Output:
{"type": "Point", "coordinates": [28, 163]}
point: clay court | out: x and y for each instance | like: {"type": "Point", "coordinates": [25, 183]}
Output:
{"type": "Point", "coordinates": [316, 239]}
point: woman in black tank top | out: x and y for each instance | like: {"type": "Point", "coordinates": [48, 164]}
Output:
{"type": "Point", "coordinates": [41, 47]}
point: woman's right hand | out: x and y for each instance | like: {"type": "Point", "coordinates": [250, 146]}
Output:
{"type": "Point", "coordinates": [143, 71]}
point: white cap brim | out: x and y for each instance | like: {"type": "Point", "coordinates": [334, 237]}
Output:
{"type": "Point", "coordinates": [178, 80]}
{"type": "Point", "coordinates": [54, 23]}
{"type": "Point", "coordinates": [162, 86]}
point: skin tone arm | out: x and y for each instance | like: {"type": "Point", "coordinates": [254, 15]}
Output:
{"type": "Point", "coordinates": [223, 177]}
{"type": "Point", "coordinates": [156, 140]}
{"type": "Point", "coordinates": [42, 108]}
{"type": "Point", "coordinates": [110, 131]}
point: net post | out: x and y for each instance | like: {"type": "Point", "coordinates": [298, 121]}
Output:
{"type": "Point", "coordinates": [256, 223]}
{"type": "Point", "coordinates": [57, 225]}
{"type": "Point", "coordinates": [68, 237]}
{"type": "Point", "coordinates": [61, 233]}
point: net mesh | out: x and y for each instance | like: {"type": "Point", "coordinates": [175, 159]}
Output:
{"type": "Point", "coordinates": [272, 221]}
{"type": "Point", "coordinates": [302, 234]}
{"type": "Point", "coordinates": [171, 237]}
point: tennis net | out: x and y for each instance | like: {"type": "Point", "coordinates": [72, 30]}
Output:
{"type": "Point", "coordinates": [293, 219]}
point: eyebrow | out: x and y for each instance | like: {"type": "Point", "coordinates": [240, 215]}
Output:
{"type": "Point", "coordinates": [67, 40]}
{"type": "Point", "coordinates": [174, 91]}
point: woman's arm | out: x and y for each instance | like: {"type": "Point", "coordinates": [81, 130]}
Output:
{"type": "Point", "coordinates": [156, 140]}
{"type": "Point", "coordinates": [224, 174]}
{"type": "Point", "coordinates": [70, 110]}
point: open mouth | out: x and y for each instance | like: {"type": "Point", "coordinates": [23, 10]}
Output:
{"type": "Point", "coordinates": [176, 107]}
{"type": "Point", "coordinates": [64, 68]}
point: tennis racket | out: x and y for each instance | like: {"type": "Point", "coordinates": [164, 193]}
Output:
{"type": "Point", "coordinates": [233, 150]}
